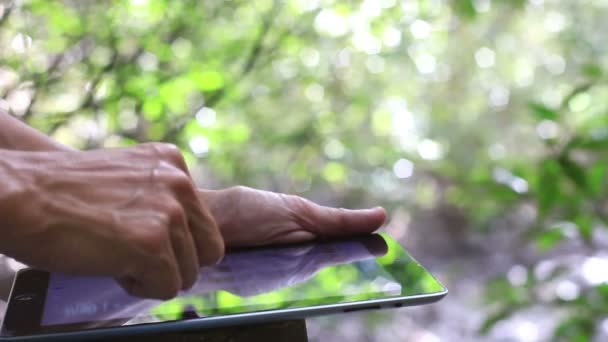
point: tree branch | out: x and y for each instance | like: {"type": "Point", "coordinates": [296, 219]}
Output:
{"type": "Point", "coordinates": [249, 64]}
{"type": "Point", "coordinates": [7, 12]}
{"type": "Point", "coordinates": [89, 98]}
{"type": "Point", "coordinates": [38, 83]}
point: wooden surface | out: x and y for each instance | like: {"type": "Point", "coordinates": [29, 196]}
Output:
{"type": "Point", "coordinates": [288, 331]}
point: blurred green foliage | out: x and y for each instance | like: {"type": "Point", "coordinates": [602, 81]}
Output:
{"type": "Point", "coordinates": [492, 107]}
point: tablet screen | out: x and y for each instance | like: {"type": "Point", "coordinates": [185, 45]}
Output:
{"type": "Point", "coordinates": [246, 281]}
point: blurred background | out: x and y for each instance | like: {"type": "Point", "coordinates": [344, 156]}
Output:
{"type": "Point", "coordinates": [481, 125]}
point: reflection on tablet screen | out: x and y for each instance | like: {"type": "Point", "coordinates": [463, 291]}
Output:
{"type": "Point", "coordinates": [245, 281]}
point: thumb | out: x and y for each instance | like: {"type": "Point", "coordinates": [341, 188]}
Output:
{"type": "Point", "coordinates": [335, 222]}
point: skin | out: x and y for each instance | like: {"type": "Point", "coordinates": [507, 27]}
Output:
{"type": "Point", "coordinates": [135, 214]}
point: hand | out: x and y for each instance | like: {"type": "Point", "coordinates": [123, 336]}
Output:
{"type": "Point", "coordinates": [132, 214]}
{"type": "Point", "coordinates": [250, 217]}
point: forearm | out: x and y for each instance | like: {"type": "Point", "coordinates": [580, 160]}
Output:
{"type": "Point", "coordinates": [15, 135]}
{"type": "Point", "coordinates": [13, 190]}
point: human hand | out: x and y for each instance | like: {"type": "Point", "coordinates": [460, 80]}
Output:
{"type": "Point", "coordinates": [131, 213]}
{"type": "Point", "coordinates": [250, 217]}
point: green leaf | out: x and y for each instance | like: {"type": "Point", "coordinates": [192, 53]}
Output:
{"type": "Point", "coordinates": [548, 186]}
{"type": "Point", "coordinates": [575, 329]}
{"type": "Point", "coordinates": [602, 291]}
{"type": "Point", "coordinates": [574, 97]}
{"type": "Point", "coordinates": [62, 19]}
{"type": "Point", "coordinates": [592, 70]}
{"type": "Point", "coordinates": [465, 8]}
{"type": "Point", "coordinates": [494, 318]}
{"type": "Point", "coordinates": [157, 130]}
{"type": "Point", "coordinates": [174, 93]}
{"type": "Point", "coordinates": [585, 227]}
{"type": "Point", "coordinates": [513, 3]}
{"type": "Point", "coordinates": [153, 108]}
{"type": "Point", "coordinates": [382, 123]}
{"type": "Point", "coordinates": [238, 133]}
{"type": "Point", "coordinates": [334, 172]}
{"type": "Point", "coordinates": [500, 289]}
{"type": "Point", "coordinates": [597, 178]}
{"type": "Point", "coordinates": [547, 240]}
{"type": "Point", "coordinates": [574, 172]}
{"type": "Point", "coordinates": [543, 112]}
{"type": "Point", "coordinates": [208, 80]}
{"type": "Point", "coordinates": [592, 144]}
{"type": "Point", "coordinates": [580, 102]}
{"type": "Point", "coordinates": [140, 86]}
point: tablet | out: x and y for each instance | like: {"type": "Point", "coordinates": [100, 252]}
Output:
{"type": "Point", "coordinates": [249, 286]}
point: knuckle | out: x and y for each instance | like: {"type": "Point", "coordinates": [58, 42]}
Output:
{"type": "Point", "coordinates": [167, 152]}
{"type": "Point", "coordinates": [181, 183]}
{"type": "Point", "coordinates": [239, 189]}
{"type": "Point", "coordinates": [171, 153]}
{"type": "Point", "coordinates": [236, 194]}
{"type": "Point", "coordinates": [293, 200]}
{"type": "Point", "coordinates": [342, 217]}
{"type": "Point", "coordinates": [301, 212]}
{"type": "Point", "coordinates": [174, 211]}
{"type": "Point", "coordinates": [153, 238]}
{"type": "Point", "coordinates": [177, 176]}
{"type": "Point", "coordinates": [165, 148]}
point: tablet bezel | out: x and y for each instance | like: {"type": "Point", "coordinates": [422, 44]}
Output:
{"type": "Point", "coordinates": [23, 317]}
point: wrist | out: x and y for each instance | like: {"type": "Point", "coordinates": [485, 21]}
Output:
{"type": "Point", "coordinates": [18, 199]}
{"type": "Point", "coordinates": [16, 135]}
{"type": "Point", "coordinates": [216, 201]}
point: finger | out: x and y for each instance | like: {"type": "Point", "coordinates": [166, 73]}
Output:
{"type": "Point", "coordinates": [184, 247]}
{"type": "Point", "coordinates": [203, 228]}
{"type": "Point", "coordinates": [167, 152]}
{"type": "Point", "coordinates": [153, 282]}
{"type": "Point", "coordinates": [206, 234]}
{"type": "Point", "coordinates": [182, 243]}
{"type": "Point", "coordinates": [209, 244]}
{"type": "Point", "coordinates": [155, 272]}
{"type": "Point", "coordinates": [334, 222]}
